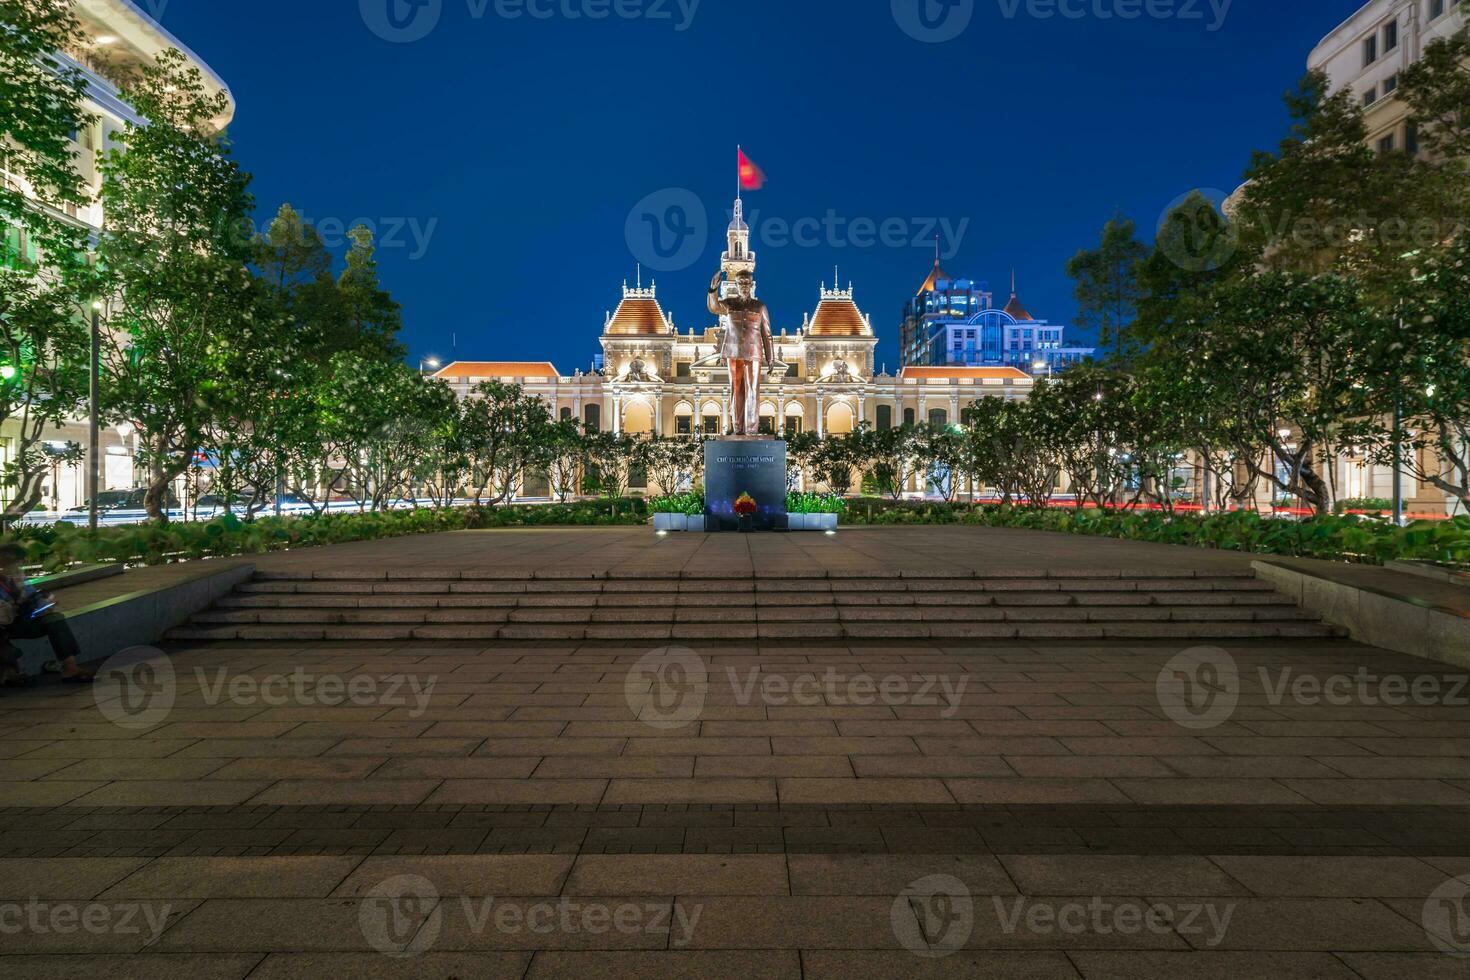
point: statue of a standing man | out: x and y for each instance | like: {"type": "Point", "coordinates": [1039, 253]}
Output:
{"type": "Point", "coordinates": [748, 348]}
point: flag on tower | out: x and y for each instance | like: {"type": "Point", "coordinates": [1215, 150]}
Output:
{"type": "Point", "coordinates": [751, 177]}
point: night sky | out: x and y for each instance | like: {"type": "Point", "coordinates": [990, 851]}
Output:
{"type": "Point", "coordinates": [519, 166]}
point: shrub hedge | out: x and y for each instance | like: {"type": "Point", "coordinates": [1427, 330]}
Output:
{"type": "Point", "coordinates": [1336, 538]}
{"type": "Point", "coordinates": [58, 546]}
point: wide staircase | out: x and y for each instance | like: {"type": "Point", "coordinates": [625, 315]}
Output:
{"type": "Point", "coordinates": [648, 606]}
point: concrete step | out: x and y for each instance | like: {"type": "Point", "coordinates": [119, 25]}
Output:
{"type": "Point", "coordinates": [713, 632]}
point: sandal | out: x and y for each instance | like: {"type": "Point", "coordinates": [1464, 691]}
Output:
{"type": "Point", "coordinates": [81, 677]}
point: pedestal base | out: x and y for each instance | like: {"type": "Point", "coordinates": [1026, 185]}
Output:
{"type": "Point", "coordinates": [745, 466]}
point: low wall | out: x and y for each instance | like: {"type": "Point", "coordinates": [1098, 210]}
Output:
{"type": "Point", "coordinates": [1376, 617]}
{"type": "Point", "coordinates": [138, 618]}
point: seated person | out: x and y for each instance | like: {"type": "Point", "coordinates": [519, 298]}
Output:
{"type": "Point", "coordinates": [29, 614]}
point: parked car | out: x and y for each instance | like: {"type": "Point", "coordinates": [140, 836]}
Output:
{"type": "Point", "coordinates": [111, 501]}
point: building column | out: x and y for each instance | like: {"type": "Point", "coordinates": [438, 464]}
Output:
{"type": "Point", "coordinates": [658, 415]}
{"type": "Point", "coordinates": [821, 416]}
{"type": "Point", "coordinates": [862, 415]}
{"type": "Point", "coordinates": [617, 414]}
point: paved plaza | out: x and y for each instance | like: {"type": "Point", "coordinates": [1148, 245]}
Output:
{"type": "Point", "coordinates": [1284, 809]}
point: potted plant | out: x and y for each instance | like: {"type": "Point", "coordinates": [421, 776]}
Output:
{"type": "Point", "coordinates": [745, 509]}
{"type": "Point", "coordinates": [694, 511]}
{"type": "Point", "coordinates": [678, 512]}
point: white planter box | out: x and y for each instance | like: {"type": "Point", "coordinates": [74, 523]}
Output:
{"type": "Point", "coordinates": [797, 522]}
{"type": "Point", "coordinates": [823, 522]}
{"type": "Point", "coordinates": [677, 522]}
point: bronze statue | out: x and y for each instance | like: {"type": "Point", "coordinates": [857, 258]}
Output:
{"type": "Point", "coordinates": [748, 348]}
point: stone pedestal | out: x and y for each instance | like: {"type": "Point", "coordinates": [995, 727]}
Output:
{"type": "Point", "coordinates": [753, 466]}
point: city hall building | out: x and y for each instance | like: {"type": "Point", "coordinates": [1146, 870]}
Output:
{"type": "Point", "coordinates": [657, 379]}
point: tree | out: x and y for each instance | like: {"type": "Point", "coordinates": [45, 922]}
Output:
{"type": "Point", "coordinates": [1005, 449]}
{"type": "Point", "coordinates": [175, 268]}
{"type": "Point", "coordinates": [368, 319]}
{"type": "Point", "coordinates": [566, 458]}
{"type": "Point", "coordinates": [501, 426]}
{"type": "Point", "coordinates": [675, 463]}
{"type": "Point", "coordinates": [292, 259]}
{"type": "Point", "coordinates": [1108, 289]}
{"type": "Point", "coordinates": [45, 284]}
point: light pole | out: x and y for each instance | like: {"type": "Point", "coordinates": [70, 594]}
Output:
{"type": "Point", "coordinates": [1038, 366]}
{"type": "Point", "coordinates": [429, 364]}
{"type": "Point", "coordinates": [94, 427]}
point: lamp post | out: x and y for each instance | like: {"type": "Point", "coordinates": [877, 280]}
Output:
{"type": "Point", "coordinates": [94, 427]}
{"type": "Point", "coordinates": [429, 364]}
{"type": "Point", "coordinates": [1039, 366]}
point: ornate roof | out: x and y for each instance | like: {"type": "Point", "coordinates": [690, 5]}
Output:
{"type": "Point", "coordinates": [499, 369]}
{"type": "Point", "coordinates": [1014, 307]}
{"type": "Point", "coordinates": [965, 374]}
{"type": "Point", "coordinates": [838, 316]}
{"type": "Point", "coordinates": [935, 274]}
{"type": "Point", "coordinates": [639, 314]}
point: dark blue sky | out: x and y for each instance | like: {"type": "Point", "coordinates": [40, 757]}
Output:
{"type": "Point", "coordinates": [519, 150]}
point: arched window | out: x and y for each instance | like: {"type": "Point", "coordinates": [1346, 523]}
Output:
{"type": "Point", "coordinates": [909, 417]}
{"type": "Point", "coordinates": [566, 413]}
{"type": "Point", "coordinates": [938, 417]}
{"type": "Point", "coordinates": [592, 418]}
{"type": "Point", "coordinates": [885, 418]}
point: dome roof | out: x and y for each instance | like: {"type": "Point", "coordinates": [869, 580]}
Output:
{"type": "Point", "coordinates": [838, 316]}
{"type": "Point", "coordinates": [638, 315]}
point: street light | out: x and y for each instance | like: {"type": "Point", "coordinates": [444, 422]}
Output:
{"type": "Point", "coordinates": [94, 433]}
{"type": "Point", "coordinates": [1039, 366]}
{"type": "Point", "coordinates": [431, 363]}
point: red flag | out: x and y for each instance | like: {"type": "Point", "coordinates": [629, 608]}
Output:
{"type": "Point", "coordinates": [752, 178]}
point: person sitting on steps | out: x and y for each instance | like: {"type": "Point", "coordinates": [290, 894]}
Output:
{"type": "Point", "coordinates": [27, 613]}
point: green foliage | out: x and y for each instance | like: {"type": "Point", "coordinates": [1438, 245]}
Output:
{"type": "Point", "coordinates": [1349, 538]}
{"type": "Point", "coordinates": [59, 546]}
{"type": "Point", "coordinates": [690, 504]}
{"type": "Point", "coordinates": [815, 503]}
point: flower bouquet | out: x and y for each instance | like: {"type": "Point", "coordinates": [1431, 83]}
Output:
{"type": "Point", "coordinates": [745, 508]}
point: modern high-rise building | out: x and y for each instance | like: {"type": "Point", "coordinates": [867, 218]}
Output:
{"type": "Point", "coordinates": [955, 322]}
{"type": "Point", "coordinates": [1366, 53]}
